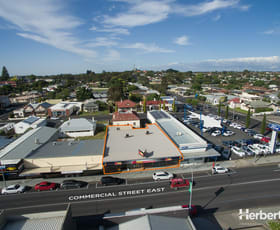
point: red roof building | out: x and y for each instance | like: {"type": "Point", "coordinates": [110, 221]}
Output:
{"type": "Point", "coordinates": [126, 119]}
{"type": "Point", "coordinates": [126, 104]}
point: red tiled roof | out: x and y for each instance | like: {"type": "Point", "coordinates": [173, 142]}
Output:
{"type": "Point", "coordinates": [154, 102]}
{"type": "Point", "coordinates": [125, 104]}
{"type": "Point", "coordinates": [125, 116]}
{"type": "Point", "coordinates": [235, 100]}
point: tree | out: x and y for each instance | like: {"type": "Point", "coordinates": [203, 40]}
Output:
{"type": "Point", "coordinates": [5, 75]}
{"type": "Point", "coordinates": [248, 118]}
{"type": "Point", "coordinates": [173, 106]}
{"type": "Point", "coordinates": [163, 106]}
{"type": "Point", "coordinates": [83, 94]}
{"type": "Point", "coordinates": [116, 108]}
{"type": "Point", "coordinates": [263, 126]}
{"type": "Point", "coordinates": [219, 109]}
{"type": "Point", "coordinates": [226, 112]}
{"type": "Point", "coordinates": [144, 105]}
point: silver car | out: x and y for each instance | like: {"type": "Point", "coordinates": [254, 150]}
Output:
{"type": "Point", "coordinates": [12, 189]}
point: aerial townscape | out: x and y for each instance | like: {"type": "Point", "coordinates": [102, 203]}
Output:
{"type": "Point", "coordinates": [154, 115]}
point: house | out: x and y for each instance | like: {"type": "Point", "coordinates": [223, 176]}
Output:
{"type": "Point", "coordinates": [91, 106]}
{"type": "Point", "coordinates": [64, 109]}
{"type": "Point", "coordinates": [254, 105]}
{"type": "Point", "coordinates": [128, 118]}
{"type": "Point", "coordinates": [249, 97]}
{"type": "Point", "coordinates": [234, 103]}
{"type": "Point", "coordinates": [11, 83]}
{"type": "Point", "coordinates": [153, 105]}
{"type": "Point", "coordinates": [80, 127]}
{"type": "Point", "coordinates": [38, 109]}
{"type": "Point", "coordinates": [31, 122]}
{"type": "Point", "coordinates": [126, 105]}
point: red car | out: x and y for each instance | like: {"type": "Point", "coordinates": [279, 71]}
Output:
{"type": "Point", "coordinates": [46, 186]}
{"type": "Point", "coordinates": [265, 139]}
{"type": "Point", "coordinates": [179, 183]}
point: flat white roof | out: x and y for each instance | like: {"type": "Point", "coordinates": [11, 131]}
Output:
{"type": "Point", "coordinates": [65, 105]}
{"type": "Point", "coordinates": [121, 148]}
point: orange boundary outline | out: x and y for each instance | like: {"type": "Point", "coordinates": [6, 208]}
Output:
{"type": "Point", "coordinates": [140, 169]}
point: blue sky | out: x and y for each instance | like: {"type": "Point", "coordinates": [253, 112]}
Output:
{"type": "Point", "coordinates": [70, 36]}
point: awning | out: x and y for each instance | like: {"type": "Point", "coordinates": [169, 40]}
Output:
{"type": "Point", "coordinates": [62, 169]}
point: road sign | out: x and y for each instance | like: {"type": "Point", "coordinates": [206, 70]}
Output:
{"type": "Point", "coordinates": [274, 127]}
{"type": "Point", "coordinates": [2, 166]}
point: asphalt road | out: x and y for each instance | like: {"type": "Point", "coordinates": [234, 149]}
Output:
{"type": "Point", "coordinates": [243, 188]}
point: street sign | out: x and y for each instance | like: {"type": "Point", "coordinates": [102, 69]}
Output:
{"type": "Point", "coordinates": [274, 127]}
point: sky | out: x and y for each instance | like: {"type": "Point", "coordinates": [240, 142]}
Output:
{"type": "Point", "coordinates": [45, 37]}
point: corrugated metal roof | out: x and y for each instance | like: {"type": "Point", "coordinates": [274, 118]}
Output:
{"type": "Point", "coordinates": [30, 120]}
{"type": "Point", "coordinates": [27, 143]}
{"type": "Point", "coordinates": [80, 124]}
{"type": "Point", "coordinates": [51, 223]}
{"type": "Point", "coordinates": [69, 149]}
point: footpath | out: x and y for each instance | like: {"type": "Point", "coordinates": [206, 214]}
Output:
{"type": "Point", "coordinates": [184, 168]}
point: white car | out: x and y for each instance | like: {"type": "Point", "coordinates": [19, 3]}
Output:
{"type": "Point", "coordinates": [253, 149]}
{"type": "Point", "coordinates": [216, 133]}
{"type": "Point", "coordinates": [233, 125]}
{"type": "Point", "coordinates": [258, 136]}
{"type": "Point", "coordinates": [238, 151]}
{"type": "Point", "coordinates": [238, 126]}
{"type": "Point", "coordinates": [219, 169]}
{"type": "Point", "coordinates": [162, 176]}
{"type": "Point", "coordinates": [12, 189]}
{"type": "Point", "coordinates": [228, 133]}
{"type": "Point", "coordinates": [262, 149]}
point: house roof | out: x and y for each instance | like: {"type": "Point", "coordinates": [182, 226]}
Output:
{"type": "Point", "coordinates": [125, 116]}
{"type": "Point", "coordinates": [155, 102]}
{"type": "Point", "coordinates": [258, 104]}
{"type": "Point", "coordinates": [79, 124]}
{"type": "Point", "coordinates": [235, 100]}
{"type": "Point", "coordinates": [126, 104]}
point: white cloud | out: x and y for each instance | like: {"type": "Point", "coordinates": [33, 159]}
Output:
{"type": "Point", "coordinates": [102, 41]}
{"type": "Point", "coordinates": [43, 21]}
{"type": "Point", "coordinates": [140, 13]}
{"type": "Point", "coordinates": [122, 31]}
{"type": "Point", "coordinates": [272, 59]}
{"type": "Point", "coordinates": [269, 32]}
{"type": "Point", "coordinates": [217, 18]}
{"type": "Point", "coordinates": [112, 55]}
{"type": "Point", "coordinates": [148, 48]}
{"type": "Point", "coordinates": [182, 41]}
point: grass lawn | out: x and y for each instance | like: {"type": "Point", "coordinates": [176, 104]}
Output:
{"type": "Point", "coordinates": [105, 112]}
{"type": "Point", "coordinates": [274, 225]}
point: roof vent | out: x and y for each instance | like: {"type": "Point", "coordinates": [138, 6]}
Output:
{"type": "Point", "coordinates": [37, 141]}
{"type": "Point", "coordinates": [54, 143]}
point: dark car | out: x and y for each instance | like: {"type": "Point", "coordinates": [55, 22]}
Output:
{"type": "Point", "coordinates": [68, 184]}
{"type": "Point", "coordinates": [109, 180]}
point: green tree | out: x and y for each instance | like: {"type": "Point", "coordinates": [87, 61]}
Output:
{"type": "Point", "coordinates": [163, 106]}
{"type": "Point", "coordinates": [263, 126]}
{"type": "Point", "coordinates": [82, 94]}
{"type": "Point", "coordinates": [219, 109]}
{"type": "Point", "coordinates": [248, 118]}
{"type": "Point", "coordinates": [144, 105]}
{"type": "Point", "coordinates": [5, 75]}
{"type": "Point", "coordinates": [226, 112]}
{"type": "Point", "coordinates": [173, 106]}
{"type": "Point", "coordinates": [116, 108]}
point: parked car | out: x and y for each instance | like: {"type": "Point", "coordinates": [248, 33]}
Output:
{"type": "Point", "coordinates": [162, 175]}
{"type": "Point", "coordinates": [226, 154]}
{"type": "Point", "coordinates": [179, 183]}
{"type": "Point", "coordinates": [265, 139]}
{"type": "Point", "coordinates": [109, 180]}
{"type": "Point", "coordinates": [251, 133]}
{"type": "Point", "coordinates": [228, 133]}
{"type": "Point", "coordinates": [252, 149]}
{"type": "Point", "coordinates": [262, 149]}
{"type": "Point", "coordinates": [216, 133]}
{"type": "Point", "coordinates": [12, 189]}
{"type": "Point", "coordinates": [258, 136]}
{"type": "Point", "coordinates": [219, 169]}
{"type": "Point", "coordinates": [219, 148]}
{"type": "Point", "coordinates": [228, 143]}
{"type": "Point", "coordinates": [238, 151]}
{"type": "Point", "coordinates": [68, 184]}
{"type": "Point", "coordinates": [45, 186]}
{"type": "Point", "coordinates": [240, 127]}
{"type": "Point", "coordinates": [233, 125]}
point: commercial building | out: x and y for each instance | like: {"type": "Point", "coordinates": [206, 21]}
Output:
{"type": "Point", "coordinates": [80, 127]}
{"type": "Point", "coordinates": [129, 149]}
{"type": "Point", "coordinates": [193, 147]}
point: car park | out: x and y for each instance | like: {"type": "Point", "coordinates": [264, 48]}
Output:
{"type": "Point", "coordinates": [109, 180]}
{"type": "Point", "coordinates": [238, 151]}
{"type": "Point", "coordinates": [179, 183]}
{"type": "Point", "coordinates": [69, 184]}
{"type": "Point", "coordinates": [46, 186]}
{"type": "Point", "coordinates": [219, 169]}
{"type": "Point", "coordinates": [162, 175]}
{"type": "Point", "coordinates": [13, 189]}
{"type": "Point", "coordinates": [216, 133]}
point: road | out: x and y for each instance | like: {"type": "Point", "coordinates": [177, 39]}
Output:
{"type": "Point", "coordinates": [241, 188]}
